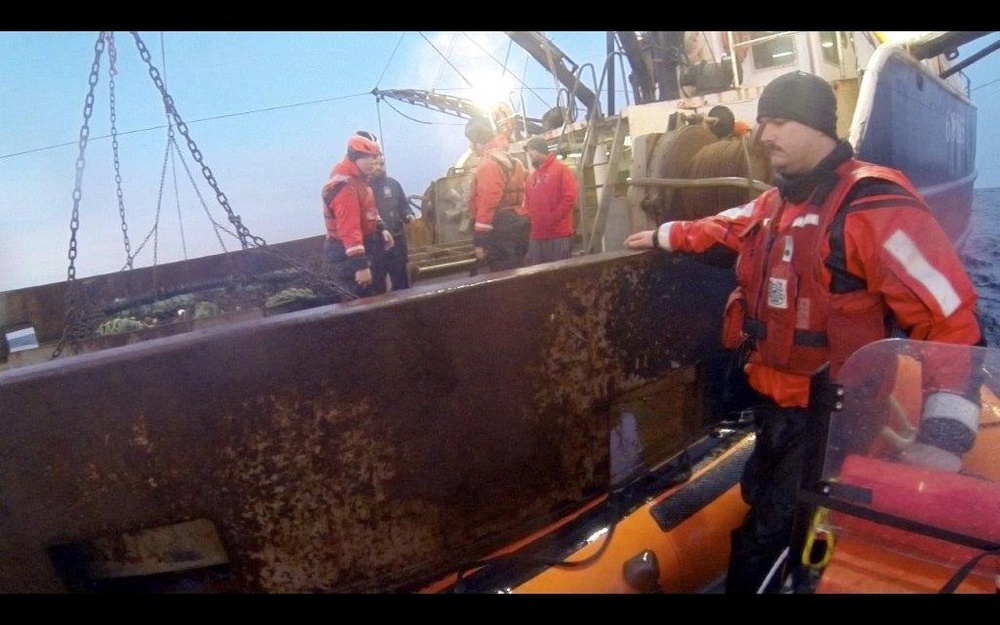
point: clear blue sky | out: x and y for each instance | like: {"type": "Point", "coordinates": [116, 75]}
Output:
{"type": "Point", "coordinates": [270, 113]}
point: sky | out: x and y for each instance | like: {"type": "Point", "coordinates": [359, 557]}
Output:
{"type": "Point", "coordinates": [269, 114]}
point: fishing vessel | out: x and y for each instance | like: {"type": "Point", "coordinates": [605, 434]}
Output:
{"type": "Point", "coordinates": [221, 424]}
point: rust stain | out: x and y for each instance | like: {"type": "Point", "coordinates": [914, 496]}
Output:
{"type": "Point", "coordinates": [314, 484]}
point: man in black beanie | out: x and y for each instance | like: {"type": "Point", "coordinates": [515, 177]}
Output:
{"type": "Point", "coordinates": [840, 254]}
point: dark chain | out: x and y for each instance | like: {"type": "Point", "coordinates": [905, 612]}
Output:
{"type": "Point", "coordinates": [173, 149]}
{"type": "Point", "coordinates": [112, 70]}
{"type": "Point", "coordinates": [159, 195]}
{"type": "Point", "coordinates": [216, 226]}
{"type": "Point", "coordinates": [244, 234]}
{"type": "Point", "coordinates": [74, 222]}
{"type": "Point", "coordinates": [76, 323]}
{"type": "Point", "coordinates": [167, 153]}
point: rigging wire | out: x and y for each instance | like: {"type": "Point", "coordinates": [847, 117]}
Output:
{"type": "Point", "coordinates": [391, 57]}
{"type": "Point", "coordinates": [420, 121]}
{"type": "Point", "coordinates": [495, 60]}
{"type": "Point", "coordinates": [985, 84]}
{"type": "Point", "coordinates": [460, 75]}
{"type": "Point", "coordinates": [440, 74]}
{"type": "Point", "coordinates": [203, 119]}
{"type": "Point", "coordinates": [282, 106]}
{"type": "Point", "coordinates": [506, 58]}
{"type": "Point", "coordinates": [378, 111]}
{"type": "Point", "coordinates": [173, 149]}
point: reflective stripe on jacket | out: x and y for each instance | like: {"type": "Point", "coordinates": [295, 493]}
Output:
{"type": "Point", "coordinates": [349, 208]}
{"type": "Point", "coordinates": [821, 280]}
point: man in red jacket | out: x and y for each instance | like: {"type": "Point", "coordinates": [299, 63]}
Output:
{"type": "Point", "coordinates": [840, 254]}
{"type": "Point", "coordinates": [549, 198]}
{"type": "Point", "coordinates": [354, 229]}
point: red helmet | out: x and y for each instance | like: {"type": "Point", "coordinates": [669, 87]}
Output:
{"type": "Point", "coordinates": [360, 144]}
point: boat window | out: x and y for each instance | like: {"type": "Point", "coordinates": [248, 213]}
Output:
{"type": "Point", "coordinates": [772, 51]}
{"type": "Point", "coordinates": [828, 44]}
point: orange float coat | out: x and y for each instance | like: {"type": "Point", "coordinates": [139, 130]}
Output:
{"type": "Point", "coordinates": [349, 208]}
{"type": "Point", "coordinates": [817, 280]}
{"type": "Point", "coordinates": [495, 186]}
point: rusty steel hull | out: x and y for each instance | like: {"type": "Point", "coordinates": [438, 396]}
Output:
{"type": "Point", "coordinates": [369, 446]}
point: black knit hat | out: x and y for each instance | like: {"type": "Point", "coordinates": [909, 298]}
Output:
{"type": "Point", "coordinates": [479, 130]}
{"type": "Point", "coordinates": [538, 144]}
{"type": "Point", "coordinates": [801, 97]}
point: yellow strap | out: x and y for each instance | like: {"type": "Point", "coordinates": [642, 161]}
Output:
{"type": "Point", "coordinates": [818, 530]}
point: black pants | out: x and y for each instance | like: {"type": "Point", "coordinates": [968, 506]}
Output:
{"type": "Point", "coordinates": [342, 268]}
{"type": "Point", "coordinates": [770, 483]}
{"type": "Point", "coordinates": [509, 242]}
{"type": "Point", "coordinates": [392, 263]}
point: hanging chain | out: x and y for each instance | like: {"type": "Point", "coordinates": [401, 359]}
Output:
{"type": "Point", "coordinates": [159, 195]}
{"type": "Point", "coordinates": [244, 234]}
{"type": "Point", "coordinates": [154, 232]}
{"type": "Point", "coordinates": [112, 70]}
{"type": "Point", "coordinates": [76, 319]}
{"type": "Point", "coordinates": [72, 314]}
{"type": "Point", "coordinates": [172, 146]}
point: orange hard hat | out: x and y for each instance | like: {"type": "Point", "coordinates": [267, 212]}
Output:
{"type": "Point", "coordinates": [362, 145]}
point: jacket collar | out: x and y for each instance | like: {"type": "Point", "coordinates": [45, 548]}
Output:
{"type": "Point", "coordinates": [799, 187]}
{"type": "Point", "coordinates": [499, 142]}
{"type": "Point", "coordinates": [551, 156]}
{"type": "Point", "coordinates": [348, 168]}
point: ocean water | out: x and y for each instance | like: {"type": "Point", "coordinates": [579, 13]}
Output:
{"type": "Point", "coordinates": [981, 254]}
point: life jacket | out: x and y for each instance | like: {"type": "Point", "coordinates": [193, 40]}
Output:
{"type": "Point", "coordinates": [789, 310]}
{"type": "Point", "coordinates": [351, 236]}
{"type": "Point", "coordinates": [514, 177]}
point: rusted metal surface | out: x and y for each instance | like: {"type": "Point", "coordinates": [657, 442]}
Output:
{"type": "Point", "coordinates": [368, 446]}
{"type": "Point", "coordinates": [43, 306]}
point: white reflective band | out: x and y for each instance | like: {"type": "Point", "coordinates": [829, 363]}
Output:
{"type": "Point", "coordinates": [355, 248]}
{"type": "Point", "coordinates": [811, 219]}
{"type": "Point", "coordinates": [906, 252]}
{"type": "Point", "coordinates": [664, 242]}
{"type": "Point", "coordinates": [481, 226]}
{"type": "Point", "coordinates": [944, 405]}
{"type": "Point", "coordinates": [737, 211]}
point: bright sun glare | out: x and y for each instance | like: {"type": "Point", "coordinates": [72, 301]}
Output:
{"type": "Point", "coordinates": [488, 89]}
